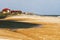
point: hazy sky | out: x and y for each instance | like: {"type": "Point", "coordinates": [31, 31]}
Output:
{"type": "Point", "coordinates": [49, 7]}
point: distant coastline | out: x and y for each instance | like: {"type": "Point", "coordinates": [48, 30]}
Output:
{"type": "Point", "coordinates": [47, 15]}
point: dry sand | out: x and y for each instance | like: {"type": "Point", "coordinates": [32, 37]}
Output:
{"type": "Point", "coordinates": [35, 19]}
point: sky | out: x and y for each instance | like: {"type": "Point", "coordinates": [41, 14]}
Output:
{"type": "Point", "coordinates": [42, 7]}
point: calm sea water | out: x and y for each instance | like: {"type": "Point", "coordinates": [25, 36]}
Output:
{"type": "Point", "coordinates": [11, 24]}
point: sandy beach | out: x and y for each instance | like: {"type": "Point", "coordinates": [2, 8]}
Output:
{"type": "Point", "coordinates": [50, 29]}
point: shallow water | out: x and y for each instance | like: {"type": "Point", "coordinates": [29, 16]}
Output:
{"type": "Point", "coordinates": [12, 24]}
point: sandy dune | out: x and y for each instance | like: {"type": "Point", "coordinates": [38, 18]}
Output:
{"type": "Point", "coordinates": [50, 29]}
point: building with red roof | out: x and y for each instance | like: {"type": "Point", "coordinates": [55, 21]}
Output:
{"type": "Point", "coordinates": [7, 10]}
